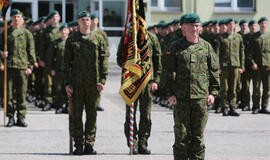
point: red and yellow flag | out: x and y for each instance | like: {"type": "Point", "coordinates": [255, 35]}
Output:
{"type": "Point", "coordinates": [4, 5]}
{"type": "Point", "coordinates": [136, 71]}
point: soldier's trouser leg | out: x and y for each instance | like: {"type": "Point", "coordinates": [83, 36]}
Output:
{"type": "Point", "coordinates": [39, 83]}
{"type": "Point", "coordinates": [190, 118]}
{"type": "Point", "coordinates": [266, 87]}
{"type": "Point", "coordinates": [224, 88]}
{"type": "Point", "coordinates": [60, 94]}
{"type": "Point", "coordinates": [232, 83]}
{"type": "Point", "coordinates": [256, 79]}
{"type": "Point", "coordinates": [145, 101]}
{"type": "Point", "coordinates": [127, 124]}
{"type": "Point", "coordinates": [17, 80]}
{"type": "Point", "coordinates": [48, 82]}
{"type": "Point", "coordinates": [245, 93]}
{"type": "Point", "coordinates": [92, 97]}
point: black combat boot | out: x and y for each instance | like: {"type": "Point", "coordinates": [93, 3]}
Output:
{"type": "Point", "coordinates": [225, 112]}
{"type": "Point", "coordinates": [218, 109]}
{"type": "Point", "coordinates": [11, 122]}
{"type": "Point", "coordinates": [255, 110]}
{"type": "Point", "coordinates": [99, 108]}
{"type": "Point", "coordinates": [78, 146]}
{"type": "Point", "coordinates": [89, 150]}
{"type": "Point", "coordinates": [47, 107]}
{"type": "Point", "coordinates": [264, 110]}
{"type": "Point", "coordinates": [21, 123]}
{"type": "Point", "coordinates": [246, 108]}
{"type": "Point", "coordinates": [233, 112]}
{"type": "Point", "coordinates": [144, 150]}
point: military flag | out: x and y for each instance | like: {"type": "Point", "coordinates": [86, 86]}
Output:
{"type": "Point", "coordinates": [136, 71]}
{"type": "Point", "coordinates": [4, 5]}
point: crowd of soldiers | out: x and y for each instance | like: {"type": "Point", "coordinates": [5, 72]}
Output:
{"type": "Point", "coordinates": [45, 41]}
{"type": "Point", "coordinates": [243, 56]}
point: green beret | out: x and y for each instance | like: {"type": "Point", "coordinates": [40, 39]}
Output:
{"type": "Point", "coordinates": [30, 22]}
{"type": "Point", "coordinates": [2, 23]}
{"type": "Point", "coordinates": [83, 14]}
{"type": "Point", "coordinates": [181, 20]}
{"type": "Point", "coordinates": [54, 12]}
{"type": "Point", "coordinates": [214, 22]}
{"type": "Point", "coordinates": [242, 21]}
{"type": "Point", "coordinates": [229, 20]}
{"type": "Point", "coordinates": [192, 18]}
{"type": "Point", "coordinates": [262, 19]}
{"type": "Point", "coordinates": [9, 22]}
{"type": "Point", "coordinates": [236, 21]}
{"type": "Point", "coordinates": [15, 11]}
{"type": "Point", "coordinates": [162, 21]}
{"type": "Point", "coordinates": [63, 25]}
{"type": "Point", "coordinates": [93, 16]}
{"type": "Point", "coordinates": [221, 22]}
{"type": "Point", "coordinates": [40, 20]}
{"type": "Point", "coordinates": [251, 22]}
{"type": "Point", "coordinates": [204, 23]}
{"type": "Point", "coordinates": [175, 21]}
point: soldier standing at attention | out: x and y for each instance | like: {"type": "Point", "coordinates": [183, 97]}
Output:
{"type": "Point", "coordinates": [145, 98]}
{"type": "Point", "coordinates": [85, 71]}
{"type": "Point", "coordinates": [57, 66]}
{"type": "Point", "coordinates": [196, 85]}
{"type": "Point", "coordinates": [20, 60]}
{"type": "Point", "coordinates": [50, 34]}
{"type": "Point", "coordinates": [94, 28]}
{"type": "Point", "coordinates": [260, 59]}
{"type": "Point", "coordinates": [230, 49]}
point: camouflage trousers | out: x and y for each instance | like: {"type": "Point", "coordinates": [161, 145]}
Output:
{"type": "Point", "coordinates": [190, 118]}
{"type": "Point", "coordinates": [48, 85]}
{"type": "Point", "coordinates": [145, 101]}
{"type": "Point", "coordinates": [229, 79]}
{"type": "Point", "coordinates": [16, 90]}
{"type": "Point", "coordinates": [60, 97]}
{"type": "Point", "coordinates": [245, 93]}
{"type": "Point", "coordinates": [84, 95]}
{"type": "Point", "coordinates": [261, 76]}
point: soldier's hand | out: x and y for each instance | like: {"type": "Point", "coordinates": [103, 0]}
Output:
{"type": "Point", "coordinates": [100, 87]}
{"type": "Point", "coordinates": [53, 73]}
{"type": "Point", "coordinates": [241, 70]}
{"type": "Point", "coordinates": [28, 71]}
{"type": "Point", "coordinates": [2, 68]}
{"type": "Point", "coordinates": [41, 63]}
{"type": "Point", "coordinates": [220, 71]}
{"type": "Point", "coordinates": [255, 67]}
{"type": "Point", "coordinates": [69, 90]}
{"type": "Point", "coordinates": [36, 64]}
{"type": "Point", "coordinates": [172, 100]}
{"type": "Point", "coordinates": [154, 86]}
{"type": "Point", "coordinates": [210, 100]}
{"type": "Point", "coordinates": [5, 54]}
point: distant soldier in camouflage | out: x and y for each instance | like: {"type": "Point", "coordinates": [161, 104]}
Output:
{"type": "Point", "coordinates": [145, 98]}
{"type": "Point", "coordinates": [85, 71]}
{"type": "Point", "coordinates": [50, 34]}
{"type": "Point", "coordinates": [260, 59]}
{"type": "Point", "coordinates": [197, 82]}
{"type": "Point", "coordinates": [94, 28]}
{"type": "Point", "coordinates": [232, 60]}
{"type": "Point", "coordinates": [1, 67]}
{"type": "Point", "coordinates": [57, 66]}
{"type": "Point", "coordinates": [20, 60]}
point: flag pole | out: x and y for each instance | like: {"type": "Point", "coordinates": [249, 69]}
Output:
{"type": "Point", "coordinates": [131, 129]}
{"type": "Point", "coordinates": [5, 73]}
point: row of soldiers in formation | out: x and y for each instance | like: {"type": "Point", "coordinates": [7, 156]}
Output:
{"type": "Point", "coordinates": [44, 41]}
{"type": "Point", "coordinates": [243, 56]}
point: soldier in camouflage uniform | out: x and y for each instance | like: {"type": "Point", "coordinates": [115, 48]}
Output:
{"type": "Point", "coordinates": [94, 28]}
{"type": "Point", "coordinates": [85, 71]}
{"type": "Point", "coordinates": [50, 34]}
{"type": "Point", "coordinates": [20, 60]}
{"type": "Point", "coordinates": [1, 67]}
{"type": "Point", "coordinates": [232, 60]}
{"type": "Point", "coordinates": [57, 72]}
{"type": "Point", "coordinates": [197, 82]}
{"type": "Point", "coordinates": [260, 59]}
{"type": "Point", "coordinates": [145, 98]}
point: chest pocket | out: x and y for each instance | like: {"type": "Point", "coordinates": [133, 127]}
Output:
{"type": "Point", "coordinates": [20, 40]}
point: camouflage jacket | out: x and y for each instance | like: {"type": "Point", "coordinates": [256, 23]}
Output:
{"type": "Point", "coordinates": [196, 67]}
{"type": "Point", "coordinates": [231, 50]}
{"type": "Point", "coordinates": [260, 49]}
{"type": "Point", "coordinates": [49, 35]}
{"type": "Point", "coordinates": [154, 53]}
{"type": "Point", "coordinates": [21, 49]}
{"type": "Point", "coordinates": [57, 50]}
{"type": "Point", "coordinates": [85, 59]}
